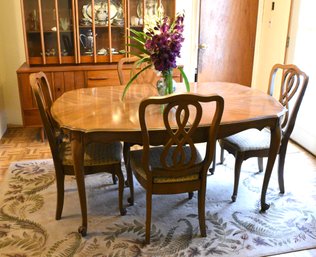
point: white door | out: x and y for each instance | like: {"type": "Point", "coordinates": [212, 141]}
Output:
{"type": "Point", "coordinates": [302, 53]}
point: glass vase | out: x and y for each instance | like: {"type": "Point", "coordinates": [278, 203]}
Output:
{"type": "Point", "coordinates": [166, 84]}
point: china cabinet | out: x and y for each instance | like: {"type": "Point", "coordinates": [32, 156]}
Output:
{"type": "Point", "coordinates": [78, 43]}
{"type": "Point", "coordinates": [70, 32]}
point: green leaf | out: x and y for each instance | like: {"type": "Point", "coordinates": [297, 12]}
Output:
{"type": "Point", "coordinates": [140, 35]}
{"type": "Point", "coordinates": [140, 48]}
{"type": "Point", "coordinates": [143, 59]}
{"type": "Point", "coordinates": [140, 56]}
{"type": "Point", "coordinates": [185, 78]}
{"type": "Point", "coordinates": [169, 86]}
{"type": "Point", "coordinates": [139, 41]}
{"type": "Point", "coordinates": [132, 79]}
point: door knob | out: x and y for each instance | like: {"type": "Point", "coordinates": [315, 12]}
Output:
{"type": "Point", "coordinates": [203, 46]}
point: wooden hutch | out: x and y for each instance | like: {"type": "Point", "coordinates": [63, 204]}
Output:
{"type": "Point", "coordinates": [77, 43]}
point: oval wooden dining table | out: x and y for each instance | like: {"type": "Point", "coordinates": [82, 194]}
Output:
{"type": "Point", "coordinates": [99, 114]}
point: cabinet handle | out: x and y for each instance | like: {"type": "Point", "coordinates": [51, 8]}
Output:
{"type": "Point", "coordinates": [98, 78]}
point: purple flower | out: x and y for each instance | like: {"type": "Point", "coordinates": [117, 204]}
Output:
{"type": "Point", "coordinates": [165, 43]}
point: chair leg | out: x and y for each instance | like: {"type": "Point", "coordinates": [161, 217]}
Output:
{"type": "Point", "coordinates": [222, 156]}
{"type": "Point", "coordinates": [130, 199]}
{"type": "Point", "coordinates": [260, 164]}
{"type": "Point", "coordinates": [148, 216]}
{"type": "Point", "coordinates": [60, 182]}
{"type": "Point", "coordinates": [126, 153]}
{"type": "Point", "coordinates": [42, 134]}
{"type": "Point", "coordinates": [282, 154]}
{"type": "Point", "coordinates": [114, 179]}
{"type": "Point", "coordinates": [201, 211]}
{"type": "Point", "coordinates": [129, 182]}
{"type": "Point", "coordinates": [212, 169]}
{"type": "Point", "coordinates": [120, 189]}
{"type": "Point", "coordinates": [239, 159]}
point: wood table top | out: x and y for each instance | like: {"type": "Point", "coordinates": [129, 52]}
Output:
{"type": "Point", "coordinates": [102, 109]}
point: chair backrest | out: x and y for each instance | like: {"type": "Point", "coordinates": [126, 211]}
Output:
{"type": "Point", "coordinates": [181, 115]}
{"type": "Point", "coordinates": [43, 97]}
{"type": "Point", "coordinates": [293, 87]}
{"type": "Point", "coordinates": [148, 76]}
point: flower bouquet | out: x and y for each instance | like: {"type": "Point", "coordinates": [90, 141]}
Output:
{"type": "Point", "coordinates": [159, 46]}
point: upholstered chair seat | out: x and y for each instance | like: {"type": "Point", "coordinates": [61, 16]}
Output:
{"type": "Point", "coordinates": [95, 154]}
{"type": "Point", "coordinates": [248, 140]}
{"type": "Point", "coordinates": [154, 161]}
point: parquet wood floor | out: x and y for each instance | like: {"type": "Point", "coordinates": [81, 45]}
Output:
{"type": "Point", "coordinates": [19, 144]}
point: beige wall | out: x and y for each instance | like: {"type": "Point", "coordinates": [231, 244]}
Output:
{"type": "Point", "coordinates": [12, 55]}
{"type": "Point", "coordinates": [3, 120]}
{"type": "Point", "coordinates": [270, 40]}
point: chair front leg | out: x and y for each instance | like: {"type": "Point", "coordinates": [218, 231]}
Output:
{"type": "Point", "coordinates": [274, 149]}
{"type": "Point", "coordinates": [126, 155]}
{"type": "Point", "coordinates": [212, 169]}
{"type": "Point", "coordinates": [114, 179]}
{"type": "Point", "coordinates": [239, 159]}
{"type": "Point", "coordinates": [60, 183]}
{"type": "Point", "coordinates": [282, 154]}
{"type": "Point", "coordinates": [201, 211]}
{"type": "Point", "coordinates": [260, 164]}
{"type": "Point", "coordinates": [120, 176]}
{"type": "Point", "coordinates": [222, 156]}
{"type": "Point", "coordinates": [148, 215]}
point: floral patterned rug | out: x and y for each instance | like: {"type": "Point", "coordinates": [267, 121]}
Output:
{"type": "Point", "coordinates": [28, 227]}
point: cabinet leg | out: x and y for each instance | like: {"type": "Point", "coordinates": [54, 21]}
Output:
{"type": "Point", "coordinates": [42, 134]}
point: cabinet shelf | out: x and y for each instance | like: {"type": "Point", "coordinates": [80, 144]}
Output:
{"type": "Point", "coordinates": [67, 26]}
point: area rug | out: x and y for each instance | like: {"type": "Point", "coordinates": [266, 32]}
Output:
{"type": "Point", "coordinates": [28, 227]}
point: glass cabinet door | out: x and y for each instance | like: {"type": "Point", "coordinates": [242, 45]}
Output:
{"type": "Point", "coordinates": [32, 31]}
{"type": "Point", "coordinates": [135, 21]}
{"type": "Point", "coordinates": [48, 17]}
{"type": "Point", "coordinates": [66, 30]}
{"type": "Point", "coordinates": [101, 34]}
{"type": "Point", "coordinates": [49, 31]}
{"type": "Point", "coordinates": [169, 8]}
{"type": "Point", "coordinates": [84, 31]}
{"type": "Point", "coordinates": [138, 16]}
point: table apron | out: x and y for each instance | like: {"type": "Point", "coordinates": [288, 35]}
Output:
{"type": "Point", "coordinates": [135, 137]}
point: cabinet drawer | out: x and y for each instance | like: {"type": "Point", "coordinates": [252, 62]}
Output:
{"type": "Point", "coordinates": [102, 78]}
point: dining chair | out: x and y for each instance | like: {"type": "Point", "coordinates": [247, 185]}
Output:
{"type": "Point", "coordinates": [256, 143]}
{"type": "Point", "coordinates": [170, 163]}
{"type": "Point", "coordinates": [98, 157]}
{"type": "Point", "coordinates": [149, 76]}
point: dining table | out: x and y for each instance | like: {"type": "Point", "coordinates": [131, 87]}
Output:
{"type": "Point", "coordinates": [101, 115]}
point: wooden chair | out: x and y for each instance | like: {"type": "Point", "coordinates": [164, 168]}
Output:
{"type": "Point", "coordinates": [149, 76]}
{"type": "Point", "coordinates": [174, 165]}
{"type": "Point", "coordinates": [256, 143]}
{"type": "Point", "coordinates": [97, 157]}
